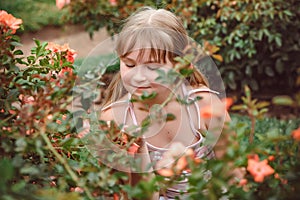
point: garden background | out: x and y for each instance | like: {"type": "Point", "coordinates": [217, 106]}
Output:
{"type": "Point", "coordinates": [255, 44]}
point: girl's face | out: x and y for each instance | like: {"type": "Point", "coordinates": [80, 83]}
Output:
{"type": "Point", "coordinates": [139, 74]}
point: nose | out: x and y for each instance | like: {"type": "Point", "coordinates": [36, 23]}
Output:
{"type": "Point", "coordinates": [139, 74]}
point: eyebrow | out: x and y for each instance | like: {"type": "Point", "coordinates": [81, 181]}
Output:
{"type": "Point", "coordinates": [127, 59]}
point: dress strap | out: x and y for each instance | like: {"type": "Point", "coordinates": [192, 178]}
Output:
{"type": "Point", "coordinates": [129, 110]}
{"type": "Point", "coordinates": [201, 90]}
{"type": "Point", "coordinates": [189, 98]}
{"type": "Point", "coordinates": [112, 104]}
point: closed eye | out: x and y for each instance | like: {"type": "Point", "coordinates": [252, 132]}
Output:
{"type": "Point", "coordinates": [130, 65]}
{"type": "Point", "coordinates": [153, 66]}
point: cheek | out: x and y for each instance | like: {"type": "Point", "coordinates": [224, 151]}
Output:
{"type": "Point", "coordinates": [151, 75]}
{"type": "Point", "coordinates": [125, 78]}
{"type": "Point", "coordinates": [123, 69]}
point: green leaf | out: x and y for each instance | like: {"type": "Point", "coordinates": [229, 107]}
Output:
{"type": "Point", "coordinates": [146, 95]}
{"type": "Point", "coordinates": [239, 107]}
{"type": "Point", "coordinates": [248, 70]}
{"type": "Point", "coordinates": [44, 62]}
{"type": "Point", "coordinates": [283, 100]}
{"type": "Point", "coordinates": [18, 52]}
{"type": "Point", "coordinates": [186, 72]}
{"type": "Point", "coordinates": [262, 104]}
{"type": "Point", "coordinates": [247, 91]}
{"type": "Point", "coordinates": [37, 42]}
{"type": "Point", "coordinates": [161, 75]}
{"type": "Point", "coordinates": [31, 170]}
{"type": "Point", "coordinates": [170, 117]}
{"type": "Point", "coordinates": [18, 187]}
{"type": "Point", "coordinates": [6, 170]}
{"type": "Point", "coordinates": [279, 66]}
{"type": "Point", "coordinates": [16, 44]}
{"type": "Point", "coordinates": [20, 144]}
{"type": "Point", "coordinates": [273, 133]}
{"type": "Point", "coordinates": [269, 71]}
{"type": "Point", "coordinates": [44, 45]}
{"type": "Point", "coordinates": [146, 122]}
{"type": "Point", "coordinates": [30, 59]}
{"type": "Point", "coordinates": [278, 41]}
{"type": "Point", "coordinates": [287, 12]}
{"type": "Point", "coordinates": [255, 112]}
{"type": "Point", "coordinates": [5, 60]}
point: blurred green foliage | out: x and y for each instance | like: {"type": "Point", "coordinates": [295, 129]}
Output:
{"type": "Point", "coordinates": [35, 13]}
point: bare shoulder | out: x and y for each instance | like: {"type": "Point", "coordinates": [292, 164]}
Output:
{"type": "Point", "coordinates": [208, 96]}
{"type": "Point", "coordinates": [107, 114]}
{"type": "Point", "coordinates": [114, 111]}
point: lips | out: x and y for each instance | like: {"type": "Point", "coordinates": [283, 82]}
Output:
{"type": "Point", "coordinates": [142, 88]}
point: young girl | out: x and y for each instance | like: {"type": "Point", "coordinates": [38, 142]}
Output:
{"type": "Point", "coordinates": [148, 46]}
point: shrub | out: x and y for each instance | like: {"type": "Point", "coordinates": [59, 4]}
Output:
{"type": "Point", "coordinates": [257, 40]}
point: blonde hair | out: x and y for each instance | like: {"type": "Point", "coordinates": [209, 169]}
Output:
{"type": "Point", "coordinates": [157, 30]}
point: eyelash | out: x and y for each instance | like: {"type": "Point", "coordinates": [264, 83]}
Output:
{"type": "Point", "coordinates": [130, 66]}
{"type": "Point", "coordinates": [152, 68]}
{"type": "Point", "coordinates": [149, 67]}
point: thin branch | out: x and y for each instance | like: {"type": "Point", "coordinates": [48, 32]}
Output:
{"type": "Point", "coordinates": [64, 162]}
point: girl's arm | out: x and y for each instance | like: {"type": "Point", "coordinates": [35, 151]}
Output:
{"type": "Point", "coordinates": [215, 120]}
{"type": "Point", "coordinates": [217, 125]}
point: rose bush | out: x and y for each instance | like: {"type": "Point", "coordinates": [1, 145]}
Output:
{"type": "Point", "coordinates": [44, 152]}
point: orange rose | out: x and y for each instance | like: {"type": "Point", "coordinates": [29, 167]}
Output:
{"type": "Point", "coordinates": [9, 22]}
{"type": "Point", "coordinates": [70, 54]}
{"type": "Point", "coordinates": [296, 134]}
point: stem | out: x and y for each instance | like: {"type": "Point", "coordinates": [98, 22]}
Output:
{"type": "Point", "coordinates": [63, 161]}
{"type": "Point", "coordinates": [171, 95]}
{"type": "Point", "coordinates": [252, 129]}
{"type": "Point", "coordinates": [8, 118]}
